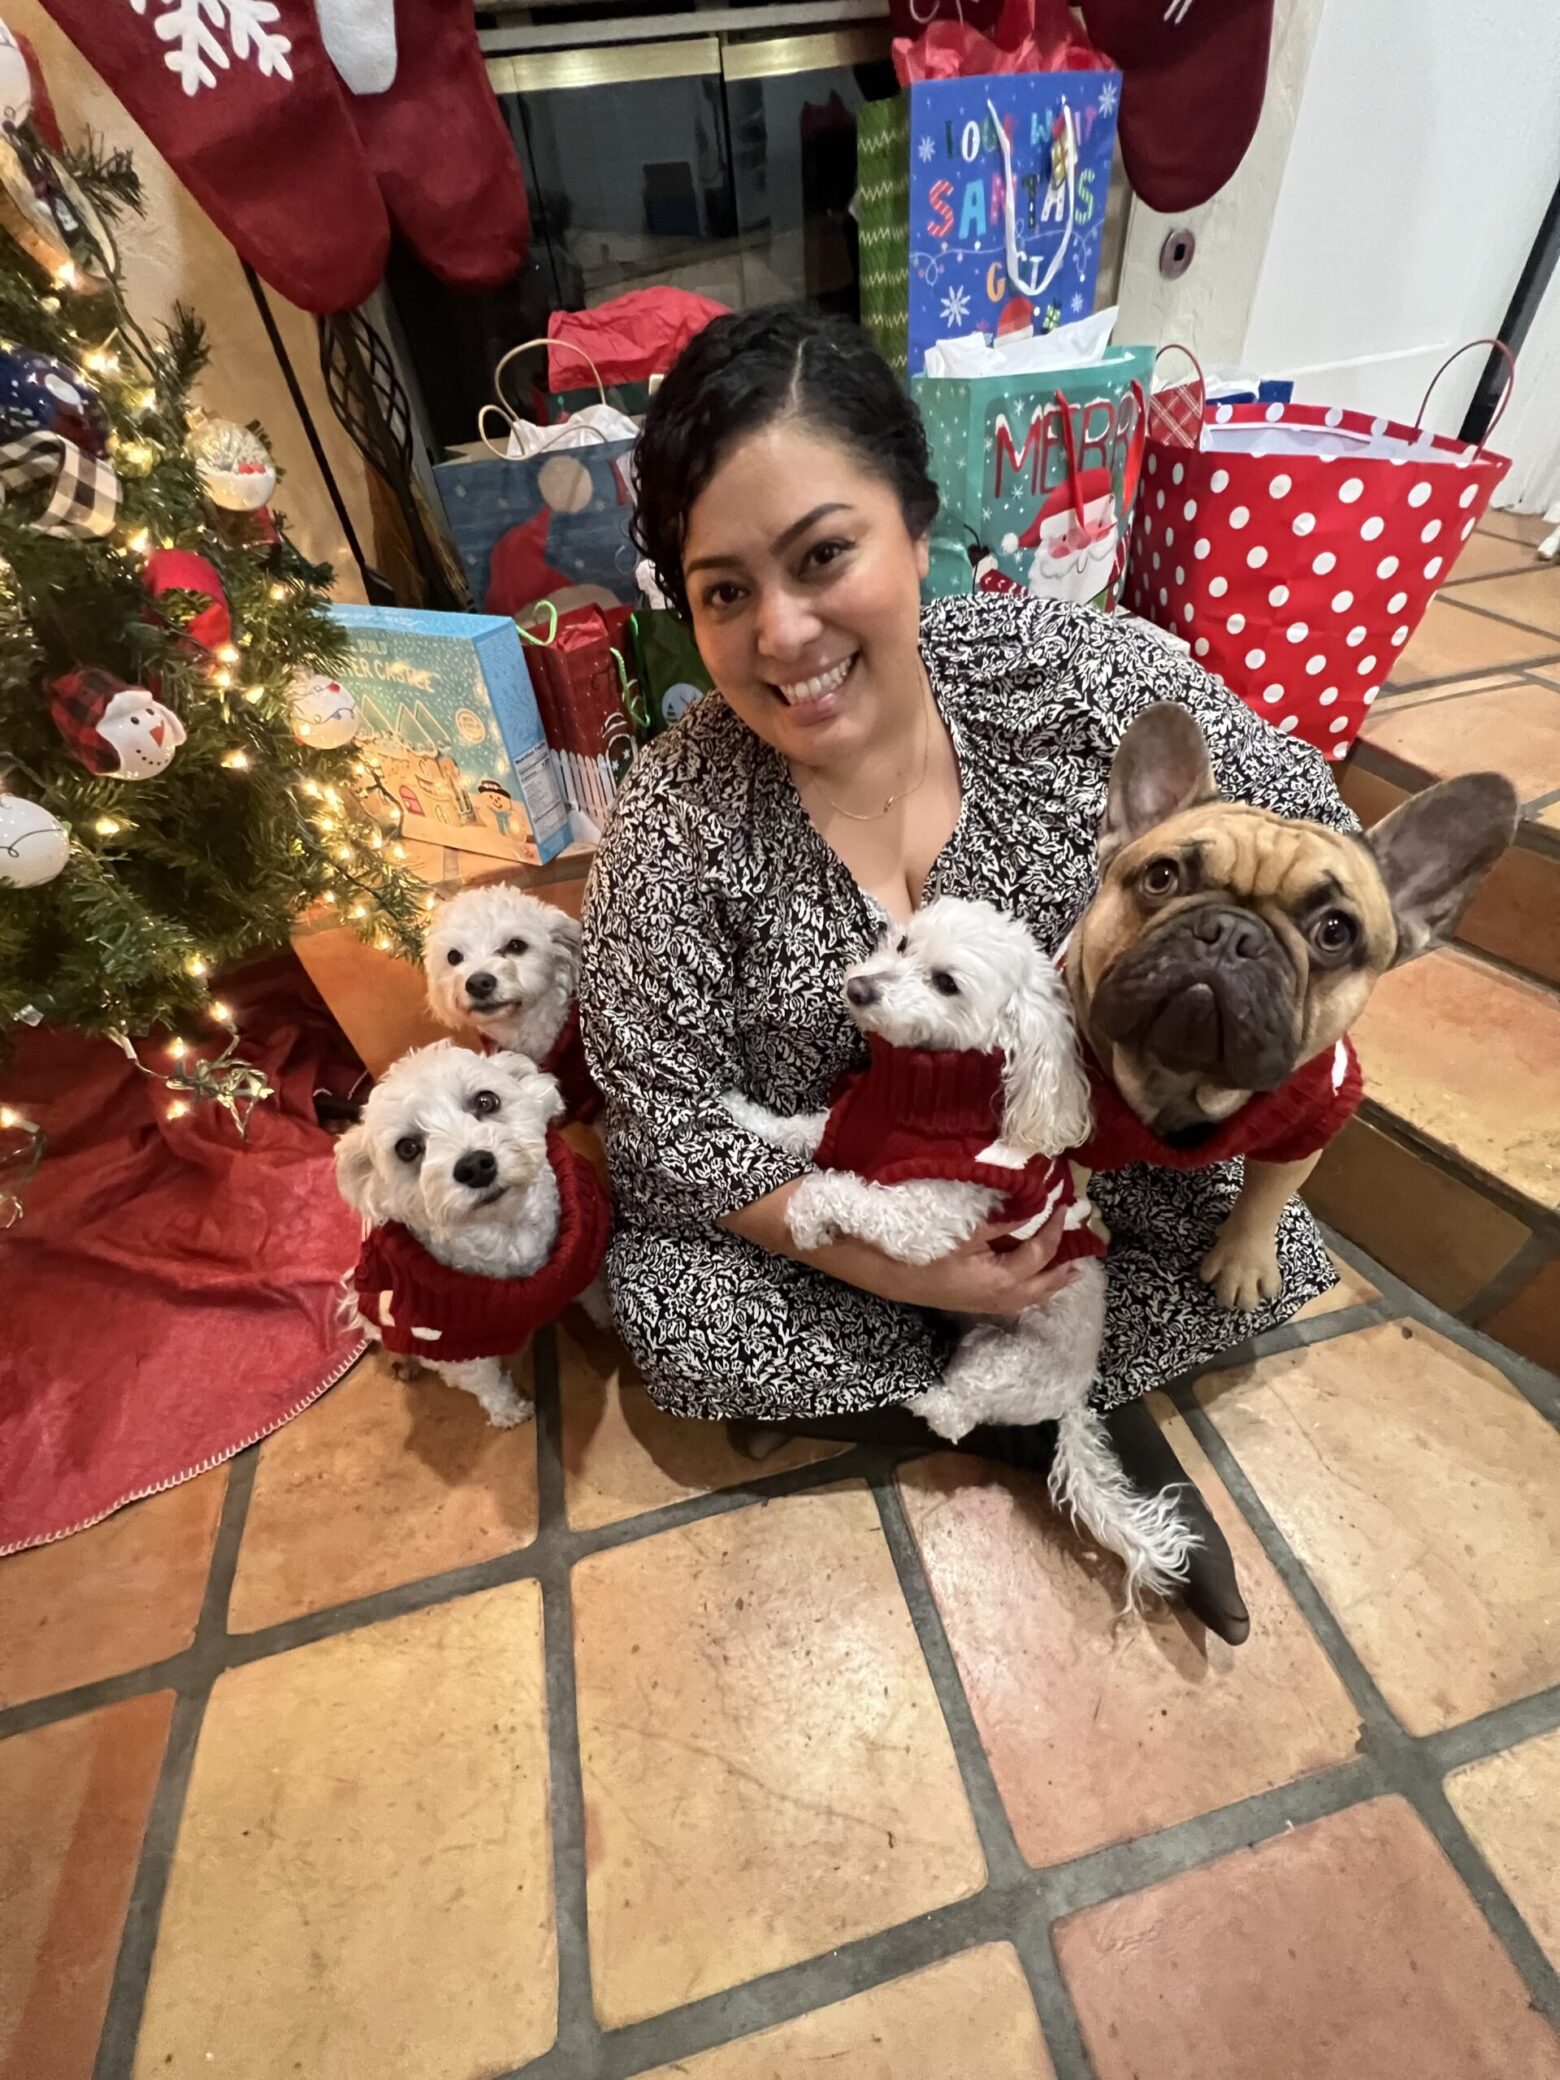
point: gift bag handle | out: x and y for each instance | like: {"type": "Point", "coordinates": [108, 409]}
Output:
{"type": "Point", "coordinates": [1500, 347]}
{"type": "Point", "coordinates": [510, 416]}
{"type": "Point", "coordinates": [1031, 288]}
{"type": "Point", "coordinates": [543, 606]}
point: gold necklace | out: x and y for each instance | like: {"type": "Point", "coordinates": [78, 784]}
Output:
{"type": "Point", "coordinates": [904, 794]}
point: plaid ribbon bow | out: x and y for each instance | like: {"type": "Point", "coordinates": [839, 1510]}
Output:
{"type": "Point", "coordinates": [85, 498]}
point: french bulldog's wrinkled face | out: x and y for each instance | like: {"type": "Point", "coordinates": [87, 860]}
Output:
{"type": "Point", "coordinates": [1227, 945]}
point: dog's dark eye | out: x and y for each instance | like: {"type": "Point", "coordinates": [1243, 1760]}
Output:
{"type": "Point", "coordinates": [514, 946]}
{"type": "Point", "coordinates": [485, 1104]}
{"type": "Point", "coordinates": [409, 1148]}
{"type": "Point", "coordinates": [1336, 932]}
{"type": "Point", "coordinates": [1161, 877]}
{"type": "Point", "coordinates": [903, 946]}
{"type": "Point", "coordinates": [943, 981]}
{"type": "Point", "coordinates": [454, 956]}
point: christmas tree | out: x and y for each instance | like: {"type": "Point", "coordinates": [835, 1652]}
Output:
{"type": "Point", "coordinates": [177, 777]}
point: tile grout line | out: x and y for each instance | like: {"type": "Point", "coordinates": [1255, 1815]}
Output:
{"type": "Point", "coordinates": [143, 1917]}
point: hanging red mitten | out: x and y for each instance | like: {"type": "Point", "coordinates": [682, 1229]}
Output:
{"type": "Point", "coordinates": [181, 570]}
{"type": "Point", "coordinates": [121, 732]}
{"type": "Point", "coordinates": [1195, 74]}
{"type": "Point", "coordinates": [250, 114]}
{"type": "Point", "coordinates": [446, 163]}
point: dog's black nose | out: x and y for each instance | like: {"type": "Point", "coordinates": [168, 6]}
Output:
{"type": "Point", "coordinates": [481, 985]}
{"type": "Point", "coordinates": [477, 1167]}
{"type": "Point", "coordinates": [860, 991]}
{"type": "Point", "coordinates": [1235, 932]}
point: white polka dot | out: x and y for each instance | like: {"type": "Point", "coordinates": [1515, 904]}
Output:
{"type": "Point", "coordinates": [1278, 595]}
{"type": "Point", "coordinates": [1219, 481]}
{"type": "Point", "coordinates": [1365, 667]}
{"type": "Point", "coordinates": [1180, 575]}
{"type": "Point", "coordinates": [1340, 751]}
{"type": "Point", "coordinates": [1201, 547]}
{"type": "Point", "coordinates": [1433, 567]}
{"type": "Point", "coordinates": [1159, 500]}
{"type": "Point", "coordinates": [1327, 696]}
{"type": "Point", "coordinates": [1200, 647]}
{"type": "Point", "coordinates": [1147, 517]}
{"type": "Point", "coordinates": [1342, 601]}
{"type": "Point", "coordinates": [1188, 611]}
{"type": "Point", "coordinates": [1356, 635]}
{"type": "Point", "coordinates": [1236, 623]}
{"type": "Point", "coordinates": [1217, 587]}
{"type": "Point", "coordinates": [1169, 537]}
{"type": "Point", "coordinates": [1290, 724]}
{"type": "Point", "coordinates": [1400, 636]}
{"type": "Point", "coordinates": [1273, 693]}
{"type": "Point", "coordinates": [1339, 722]}
{"type": "Point", "coordinates": [1153, 465]}
{"type": "Point", "coordinates": [1369, 529]}
{"type": "Point", "coordinates": [1156, 559]}
{"type": "Point", "coordinates": [1397, 602]}
{"type": "Point", "coordinates": [1467, 495]}
{"type": "Point", "coordinates": [1316, 664]}
{"type": "Point", "coordinates": [1164, 596]}
{"type": "Point", "coordinates": [1255, 558]}
{"type": "Point", "coordinates": [1386, 567]}
{"type": "Point", "coordinates": [1189, 510]}
{"type": "Point", "coordinates": [1334, 415]}
{"type": "Point", "coordinates": [1350, 489]}
{"type": "Point", "coordinates": [1370, 694]}
{"type": "Point", "coordinates": [1275, 412]}
{"type": "Point", "coordinates": [1297, 631]}
{"type": "Point", "coordinates": [1255, 660]}
{"type": "Point", "coordinates": [1428, 533]}
{"type": "Point", "coordinates": [1324, 563]}
{"type": "Point", "coordinates": [1468, 527]}
{"type": "Point", "coordinates": [1239, 515]}
{"type": "Point", "coordinates": [1420, 495]}
{"type": "Point", "coordinates": [1303, 522]}
{"type": "Point", "coordinates": [1177, 474]}
{"type": "Point", "coordinates": [1223, 414]}
{"type": "Point", "coordinates": [1280, 485]}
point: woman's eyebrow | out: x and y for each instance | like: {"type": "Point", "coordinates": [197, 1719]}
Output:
{"type": "Point", "coordinates": [778, 546]}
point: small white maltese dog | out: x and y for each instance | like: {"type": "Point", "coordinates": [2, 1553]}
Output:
{"type": "Point", "coordinates": [480, 1223]}
{"type": "Point", "coordinates": [503, 965]}
{"type": "Point", "coordinates": [975, 1092]}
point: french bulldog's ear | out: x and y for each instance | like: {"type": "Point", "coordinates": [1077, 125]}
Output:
{"type": "Point", "coordinates": [356, 1179]}
{"type": "Point", "coordinates": [1161, 767]}
{"type": "Point", "coordinates": [1435, 849]}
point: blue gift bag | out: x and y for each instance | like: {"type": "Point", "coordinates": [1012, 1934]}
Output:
{"type": "Point", "coordinates": [1007, 178]}
{"type": "Point", "coordinates": [549, 526]}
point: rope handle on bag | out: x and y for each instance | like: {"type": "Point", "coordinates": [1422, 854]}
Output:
{"type": "Point", "coordinates": [1031, 288]}
{"type": "Point", "coordinates": [635, 706]}
{"type": "Point", "coordinates": [1176, 346]}
{"type": "Point", "coordinates": [1497, 346]}
{"type": "Point", "coordinates": [544, 606]}
{"type": "Point", "coordinates": [512, 418]}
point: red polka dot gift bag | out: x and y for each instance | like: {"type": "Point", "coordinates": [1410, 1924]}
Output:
{"type": "Point", "coordinates": [1296, 547]}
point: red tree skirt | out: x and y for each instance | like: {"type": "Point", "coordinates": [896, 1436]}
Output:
{"type": "Point", "coordinates": [170, 1293]}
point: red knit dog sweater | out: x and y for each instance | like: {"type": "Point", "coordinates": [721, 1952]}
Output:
{"type": "Point", "coordinates": [1282, 1126]}
{"type": "Point", "coordinates": [916, 1113]}
{"type": "Point", "coordinates": [420, 1308]}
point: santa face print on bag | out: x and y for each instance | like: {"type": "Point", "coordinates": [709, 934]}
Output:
{"type": "Point", "coordinates": [1072, 540]}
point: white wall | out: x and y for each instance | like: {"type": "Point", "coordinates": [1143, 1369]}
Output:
{"type": "Point", "coordinates": [1426, 147]}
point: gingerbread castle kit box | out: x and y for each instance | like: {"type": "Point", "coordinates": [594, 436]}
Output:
{"type": "Point", "coordinates": [449, 722]}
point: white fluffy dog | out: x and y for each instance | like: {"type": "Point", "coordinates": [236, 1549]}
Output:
{"type": "Point", "coordinates": [453, 1147]}
{"type": "Point", "coordinates": [962, 978]}
{"type": "Point", "coordinates": [502, 964]}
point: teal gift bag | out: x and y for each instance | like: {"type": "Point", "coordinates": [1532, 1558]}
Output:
{"type": "Point", "coordinates": [1038, 471]}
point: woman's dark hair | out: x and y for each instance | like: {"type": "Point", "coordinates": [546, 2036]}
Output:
{"type": "Point", "coordinates": [743, 372]}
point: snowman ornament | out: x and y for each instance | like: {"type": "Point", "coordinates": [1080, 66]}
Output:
{"type": "Point", "coordinates": [117, 731]}
{"type": "Point", "coordinates": [324, 714]}
{"type": "Point", "coordinates": [1072, 539]}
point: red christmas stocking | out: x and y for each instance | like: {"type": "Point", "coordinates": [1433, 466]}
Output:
{"type": "Point", "coordinates": [446, 164]}
{"type": "Point", "coordinates": [243, 103]}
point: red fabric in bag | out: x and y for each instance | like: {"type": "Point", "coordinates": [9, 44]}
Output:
{"type": "Point", "coordinates": [1028, 36]}
{"type": "Point", "coordinates": [629, 339]}
{"type": "Point", "coordinates": [1298, 578]}
{"type": "Point", "coordinates": [171, 1291]}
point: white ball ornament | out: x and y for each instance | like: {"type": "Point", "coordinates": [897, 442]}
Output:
{"type": "Point", "coordinates": [34, 845]}
{"type": "Point", "coordinates": [324, 714]}
{"type": "Point", "coordinates": [234, 467]}
{"type": "Point", "coordinates": [16, 94]}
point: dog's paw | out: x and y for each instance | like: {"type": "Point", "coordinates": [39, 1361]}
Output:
{"type": "Point", "coordinates": [1242, 1276]}
{"type": "Point", "coordinates": [811, 1225]}
{"type": "Point", "coordinates": [510, 1414]}
{"type": "Point", "coordinates": [755, 1118]}
{"type": "Point", "coordinates": [941, 1411]}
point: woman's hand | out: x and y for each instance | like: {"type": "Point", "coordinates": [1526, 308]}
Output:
{"type": "Point", "coordinates": [971, 1279]}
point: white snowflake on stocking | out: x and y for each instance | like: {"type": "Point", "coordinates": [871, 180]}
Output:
{"type": "Point", "coordinates": [195, 30]}
{"type": "Point", "coordinates": [1107, 97]}
{"type": "Point", "coordinates": [955, 307]}
{"type": "Point", "coordinates": [926, 149]}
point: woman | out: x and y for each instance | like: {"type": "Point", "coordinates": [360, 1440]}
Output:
{"type": "Point", "coordinates": [860, 756]}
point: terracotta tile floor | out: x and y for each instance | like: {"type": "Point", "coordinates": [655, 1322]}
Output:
{"type": "Point", "coordinates": [406, 1750]}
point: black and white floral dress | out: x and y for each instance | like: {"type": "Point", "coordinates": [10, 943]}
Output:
{"type": "Point", "coordinates": [718, 925]}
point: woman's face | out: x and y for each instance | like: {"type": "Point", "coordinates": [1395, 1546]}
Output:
{"type": "Point", "coordinates": [805, 586]}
